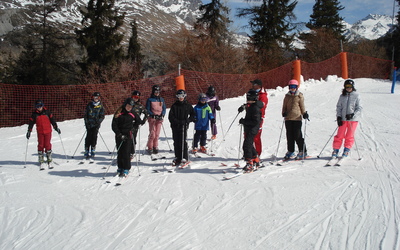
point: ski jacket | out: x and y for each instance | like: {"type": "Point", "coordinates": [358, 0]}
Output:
{"type": "Point", "coordinates": [213, 102]}
{"type": "Point", "coordinates": [180, 113]}
{"type": "Point", "coordinates": [122, 123]}
{"type": "Point", "coordinates": [94, 115]}
{"type": "Point", "coordinates": [347, 104]}
{"type": "Point", "coordinates": [43, 119]}
{"type": "Point", "coordinates": [203, 114]}
{"type": "Point", "coordinates": [293, 106]}
{"type": "Point", "coordinates": [155, 105]}
{"type": "Point", "coordinates": [263, 97]}
{"type": "Point", "coordinates": [252, 119]}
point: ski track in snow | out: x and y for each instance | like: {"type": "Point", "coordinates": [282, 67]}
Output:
{"type": "Point", "coordinates": [295, 206]}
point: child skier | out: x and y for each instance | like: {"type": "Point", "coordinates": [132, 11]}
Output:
{"type": "Point", "coordinates": [213, 102]}
{"type": "Point", "coordinates": [203, 116]}
{"type": "Point", "coordinates": [43, 119]}
{"type": "Point", "coordinates": [156, 108]}
{"type": "Point", "coordinates": [138, 109]}
{"type": "Point", "coordinates": [348, 111]}
{"type": "Point", "coordinates": [293, 110]}
{"type": "Point", "coordinates": [94, 116]}
{"type": "Point", "coordinates": [251, 124]}
{"type": "Point", "coordinates": [180, 115]}
{"type": "Point", "coordinates": [122, 125]}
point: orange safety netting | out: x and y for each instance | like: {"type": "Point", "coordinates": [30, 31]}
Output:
{"type": "Point", "coordinates": [69, 101]}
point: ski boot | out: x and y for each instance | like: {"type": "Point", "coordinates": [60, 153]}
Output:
{"type": "Point", "coordinates": [49, 159]}
{"type": "Point", "coordinates": [289, 155]}
{"type": "Point", "coordinates": [335, 153]}
{"type": "Point", "coordinates": [213, 137]}
{"type": "Point", "coordinates": [249, 166]}
{"type": "Point", "coordinates": [194, 150]}
{"type": "Point", "coordinates": [176, 162]}
{"type": "Point", "coordinates": [256, 163]}
{"type": "Point", "coordinates": [203, 149]}
{"type": "Point", "coordinates": [301, 156]}
{"type": "Point", "coordinates": [93, 152]}
{"type": "Point", "coordinates": [86, 154]}
{"type": "Point", "coordinates": [41, 160]}
{"type": "Point", "coordinates": [155, 150]}
{"type": "Point", "coordinates": [346, 152]}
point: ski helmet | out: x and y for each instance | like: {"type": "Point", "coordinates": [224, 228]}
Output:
{"type": "Point", "coordinates": [97, 94]}
{"type": "Point", "coordinates": [202, 97]}
{"type": "Point", "coordinates": [257, 82]}
{"type": "Point", "coordinates": [136, 93]}
{"type": "Point", "coordinates": [293, 84]}
{"type": "Point", "coordinates": [155, 88]}
{"type": "Point", "coordinates": [252, 95]}
{"type": "Point", "coordinates": [211, 91]}
{"type": "Point", "coordinates": [39, 103]}
{"type": "Point", "coordinates": [348, 83]}
{"type": "Point", "coordinates": [181, 93]}
{"type": "Point", "coordinates": [129, 101]}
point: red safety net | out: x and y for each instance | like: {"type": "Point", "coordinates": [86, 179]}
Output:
{"type": "Point", "coordinates": [69, 101]}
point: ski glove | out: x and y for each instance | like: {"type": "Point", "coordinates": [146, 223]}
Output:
{"type": "Point", "coordinates": [306, 116]}
{"type": "Point", "coordinates": [58, 130]}
{"type": "Point", "coordinates": [284, 114]}
{"type": "Point", "coordinates": [241, 121]}
{"type": "Point", "coordinates": [28, 134]}
{"type": "Point", "coordinates": [123, 137]}
{"type": "Point", "coordinates": [241, 108]}
{"type": "Point", "coordinates": [218, 108]}
{"type": "Point", "coordinates": [212, 121]}
{"type": "Point", "coordinates": [349, 116]}
{"type": "Point", "coordinates": [339, 121]}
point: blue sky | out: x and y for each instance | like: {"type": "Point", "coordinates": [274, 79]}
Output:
{"type": "Point", "coordinates": [353, 11]}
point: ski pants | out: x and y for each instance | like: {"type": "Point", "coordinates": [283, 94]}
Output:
{"type": "Point", "coordinates": [200, 135]}
{"type": "Point", "coordinates": [154, 132]}
{"type": "Point", "coordinates": [44, 144]}
{"type": "Point", "coordinates": [249, 151]}
{"type": "Point", "coordinates": [179, 136]}
{"type": "Point", "coordinates": [91, 138]}
{"type": "Point", "coordinates": [345, 132]}
{"type": "Point", "coordinates": [257, 139]}
{"type": "Point", "coordinates": [214, 126]}
{"type": "Point", "coordinates": [294, 135]}
{"type": "Point", "coordinates": [124, 151]}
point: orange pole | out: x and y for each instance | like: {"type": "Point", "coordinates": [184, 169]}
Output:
{"type": "Point", "coordinates": [180, 82]}
{"type": "Point", "coordinates": [297, 70]}
{"type": "Point", "coordinates": [343, 61]}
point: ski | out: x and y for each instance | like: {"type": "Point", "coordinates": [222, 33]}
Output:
{"type": "Point", "coordinates": [242, 172]}
{"type": "Point", "coordinates": [50, 165]}
{"type": "Point", "coordinates": [42, 166]}
{"type": "Point", "coordinates": [339, 162]}
{"type": "Point", "coordinates": [155, 157]}
{"type": "Point", "coordinates": [287, 161]}
{"type": "Point", "coordinates": [331, 161]}
{"type": "Point", "coordinates": [121, 180]}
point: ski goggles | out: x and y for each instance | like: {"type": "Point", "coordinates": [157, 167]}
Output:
{"type": "Point", "coordinates": [135, 97]}
{"type": "Point", "coordinates": [292, 86]}
{"type": "Point", "coordinates": [39, 105]}
{"type": "Point", "coordinates": [347, 86]}
{"type": "Point", "coordinates": [180, 95]}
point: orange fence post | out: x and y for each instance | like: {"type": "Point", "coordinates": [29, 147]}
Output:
{"type": "Point", "coordinates": [297, 70]}
{"type": "Point", "coordinates": [180, 82]}
{"type": "Point", "coordinates": [343, 61]}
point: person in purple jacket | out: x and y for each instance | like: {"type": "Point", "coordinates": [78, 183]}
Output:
{"type": "Point", "coordinates": [213, 102]}
{"type": "Point", "coordinates": [156, 108]}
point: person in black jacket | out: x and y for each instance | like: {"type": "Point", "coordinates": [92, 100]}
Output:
{"type": "Point", "coordinates": [94, 116]}
{"type": "Point", "coordinates": [180, 115]}
{"type": "Point", "coordinates": [122, 125]}
{"type": "Point", "coordinates": [251, 124]}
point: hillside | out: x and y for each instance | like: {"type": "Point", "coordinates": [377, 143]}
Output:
{"type": "Point", "coordinates": [293, 207]}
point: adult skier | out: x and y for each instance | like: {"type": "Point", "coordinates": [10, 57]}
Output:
{"type": "Point", "coordinates": [180, 115]}
{"type": "Point", "coordinates": [122, 125]}
{"type": "Point", "coordinates": [94, 116]}
{"type": "Point", "coordinates": [156, 109]}
{"type": "Point", "coordinates": [293, 110]}
{"type": "Point", "coordinates": [213, 102]}
{"type": "Point", "coordinates": [140, 110]}
{"type": "Point", "coordinates": [251, 125]}
{"type": "Point", "coordinates": [348, 112]}
{"type": "Point", "coordinates": [44, 119]}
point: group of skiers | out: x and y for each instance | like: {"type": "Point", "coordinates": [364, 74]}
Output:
{"type": "Point", "coordinates": [132, 114]}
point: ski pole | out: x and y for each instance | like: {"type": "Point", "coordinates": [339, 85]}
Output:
{"type": "Point", "coordinates": [279, 141]}
{"type": "Point", "coordinates": [62, 144]}
{"type": "Point", "coordinates": [231, 125]}
{"type": "Point", "coordinates": [355, 142]}
{"type": "Point", "coordinates": [304, 140]}
{"type": "Point", "coordinates": [327, 142]}
{"type": "Point", "coordinates": [137, 164]}
{"type": "Point", "coordinates": [138, 144]}
{"type": "Point", "coordinates": [112, 159]}
{"type": "Point", "coordinates": [222, 127]}
{"type": "Point", "coordinates": [26, 151]}
{"type": "Point", "coordinates": [165, 135]}
{"type": "Point", "coordinates": [79, 144]}
{"type": "Point", "coordinates": [109, 152]}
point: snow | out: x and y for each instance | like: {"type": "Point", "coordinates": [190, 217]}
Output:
{"type": "Point", "coordinates": [296, 206]}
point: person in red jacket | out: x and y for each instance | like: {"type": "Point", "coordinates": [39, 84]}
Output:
{"type": "Point", "coordinates": [43, 119]}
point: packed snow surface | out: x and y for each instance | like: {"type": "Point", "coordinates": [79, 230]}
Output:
{"type": "Point", "coordinates": [301, 205]}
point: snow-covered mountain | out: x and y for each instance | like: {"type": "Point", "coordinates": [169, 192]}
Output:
{"type": "Point", "coordinates": [371, 27]}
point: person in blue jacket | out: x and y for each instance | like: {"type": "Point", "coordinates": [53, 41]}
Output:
{"type": "Point", "coordinates": [203, 116]}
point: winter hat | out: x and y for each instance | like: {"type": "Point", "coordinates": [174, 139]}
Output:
{"type": "Point", "coordinates": [129, 101]}
{"type": "Point", "coordinates": [155, 88]}
{"type": "Point", "coordinates": [252, 95]}
{"type": "Point", "coordinates": [39, 103]}
{"type": "Point", "coordinates": [136, 93]}
{"type": "Point", "coordinates": [348, 83]}
{"type": "Point", "coordinates": [257, 82]}
{"type": "Point", "coordinates": [211, 91]}
{"type": "Point", "coordinates": [96, 94]}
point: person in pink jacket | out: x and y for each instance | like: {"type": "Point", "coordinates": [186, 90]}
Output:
{"type": "Point", "coordinates": [348, 111]}
{"type": "Point", "coordinates": [156, 108]}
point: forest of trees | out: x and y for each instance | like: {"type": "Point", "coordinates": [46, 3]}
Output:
{"type": "Point", "coordinates": [45, 53]}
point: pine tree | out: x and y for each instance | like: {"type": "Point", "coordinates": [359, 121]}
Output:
{"type": "Point", "coordinates": [99, 35]}
{"type": "Point", "coordinates": [214, 21]}
{"type": "Point", "coordinates": [134, 55]}
{"type": "Point", "coordinates": [326, 16]}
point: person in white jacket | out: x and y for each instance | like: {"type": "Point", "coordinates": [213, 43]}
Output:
{"type": "Point", "coordinates": [348, 111]}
